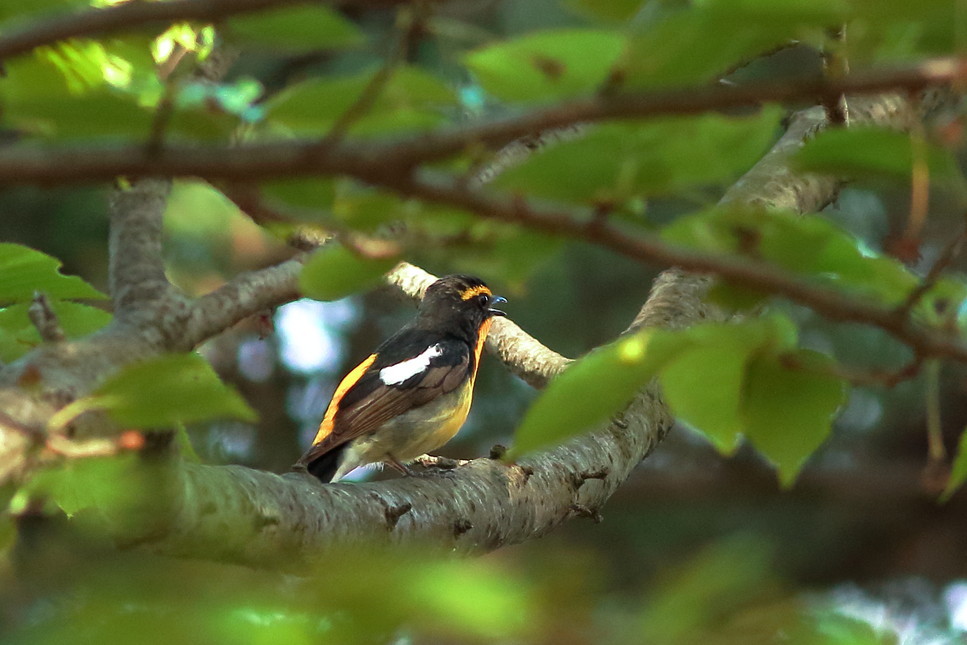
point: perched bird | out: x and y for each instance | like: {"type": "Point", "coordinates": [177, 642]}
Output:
{"type": "Point", "coordinates": [413, 393]}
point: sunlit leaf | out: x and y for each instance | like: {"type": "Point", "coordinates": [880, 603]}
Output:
{"type": "Point", "coordinates": [546, 65]}
{"type": "Point", "coordinates": [335, 272]}
{"type": "Point", "coordinates": [788, 407]}
{"type": "Point", "coordinates": [163, 392]}
{"type": "Point", "coordinates": [18, 335]}
{"type": "Point", "coordinates": [26, 271]}
{"type": "Point", "coordinates": [618, 162]}
{"type": "Point", "coordinates": [313, 26]}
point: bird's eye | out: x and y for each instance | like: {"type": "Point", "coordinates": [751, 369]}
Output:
{"type": "Point", "coordinates": [483, 299]}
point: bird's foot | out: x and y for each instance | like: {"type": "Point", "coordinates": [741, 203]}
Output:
{"type": "Point", "coordinates": [440, 463]}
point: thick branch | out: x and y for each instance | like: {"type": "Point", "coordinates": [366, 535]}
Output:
{"type": "Point", "coordinates": [137, 272]}
{"type": "Point", "coordinates": [241, 297]}
{"type": "Point", "coordinates": [130, 15]}
{"type": "Point", "coordinates": [64, 164]}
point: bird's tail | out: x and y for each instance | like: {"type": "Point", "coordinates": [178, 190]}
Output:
{"type": "Point", "coordinates": [321, 462]}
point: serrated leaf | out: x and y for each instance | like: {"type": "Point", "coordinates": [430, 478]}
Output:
{"type": "Point", "coordinates": [546, 65]}
{"type": "Point", "coordinates": [18, 335]}
{"type": "Point", "coordinates": [789, 412]}
{"type": "Point", "coordinates": [26, 270]}
{"type": "Point", "coordinates": [334, 272]}
{"type": "Point", "coordinates": [410, 99]}
{"type": "Point", "coordinates": [165, 391]}
{"type": "Point", "coordinates": [313, 26]}
{"type": "Point", "coordinates": [696, 44]}
{"type": "Point", "coordinates": [587, 393]}
{"type": "Point", "coordinates": [958, 472]}
{"type": "Point", "coordinates": [619, 161]}
{"type": "Point", "coordinates": [875, 152]}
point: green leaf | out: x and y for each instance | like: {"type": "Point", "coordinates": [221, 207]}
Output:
{"type": "Point", "coordinates": [163, 392]}
{"type": "Point", "coordinates": [587, 393]}
{"type": "Point", "coordinates": [619, 161]}
{"type": "Point", "coordinates": [26, 270]}
{"type": "Point", "coordinates": [18, 335]}
{"type": "Point", "coordinates": [958, 472]}
{"type": "Point", "coordinates": [704, 382]}
{"type": "Point", "coordinates": [410, 99]}
{"type": "Point", "coordinates": [811, 246]}
{"type": "Point", "coordinates": [875, 152]}
{"type": "Point", "coordinates": [788, 412]}
{"type": "Point", "coordinates": [697, 44]}
{"type": "Point", "coordinates": [703, 387]}
{"type": "Point", "coordinates": [334, 272]}
{"type": "Point", "coordinates": [547, 65]}
{"type": "Point", "coordinates": [313, 26]}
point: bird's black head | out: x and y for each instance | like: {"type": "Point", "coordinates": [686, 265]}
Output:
{"type": "Point", "coordinates": [459, 302]}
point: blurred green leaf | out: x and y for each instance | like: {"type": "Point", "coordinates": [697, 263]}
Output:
{"type": "Point", "coordinates": [334, 272]}
{"type": "Point", "coordinates": [26, 270]}
{"type": "Point", "coordinates": [410, 99]}
{"type": "Point", "coordinates": [696, 44]}
{"type": "Point", "coordinates": [789, 411]}
{"type": "Point", "coordinates": [23, 10]}
{"type": "Point", "coordinates": [18, 335]}
{"type": "Point", "coordinates": [896, 29]}
{"type": "Point", "coordinates": [313, 26]}
{"type": "Point", "coordinates": [958, 472]}
{"type": "Point", "coordinates": [82, 484]}
{"type": "Point", "coordinates": [588, 392]}
{"type": "Point", "coordinates": [875, 152]}
{"type": "Point", "coordinates": [620, 161]}
{"type": "Point", "coordinates": [546, 65]}
{"type": "Point", "coordinates": [162, 392]}
{"type": "Point", "coordinates": [701, 594]}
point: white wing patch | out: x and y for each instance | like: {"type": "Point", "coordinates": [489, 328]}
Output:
{"type": "Point", "coordinates": [395, 374]}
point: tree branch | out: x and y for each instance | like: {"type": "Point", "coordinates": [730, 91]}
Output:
{"type": "Point", "coordinates": [239, 298]}
{"type": "Point", "coordinates": [65, 164]}
{"type": "Point", "coordinates": [137, 272]}
{"type": "Point", "coordinates": [130, 15]}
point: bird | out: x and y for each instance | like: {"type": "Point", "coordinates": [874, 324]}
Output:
{"type": "Point", "coordinates": [413, 393]}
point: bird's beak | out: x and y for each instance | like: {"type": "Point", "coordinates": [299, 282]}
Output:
{"type": "Point", "coordinates": [496, 300]}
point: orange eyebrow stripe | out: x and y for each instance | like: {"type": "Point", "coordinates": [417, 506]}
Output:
{"type": "Point", "coordinates": [475, 291]}
{"type": "Point", "coordinates": [325, 428]}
